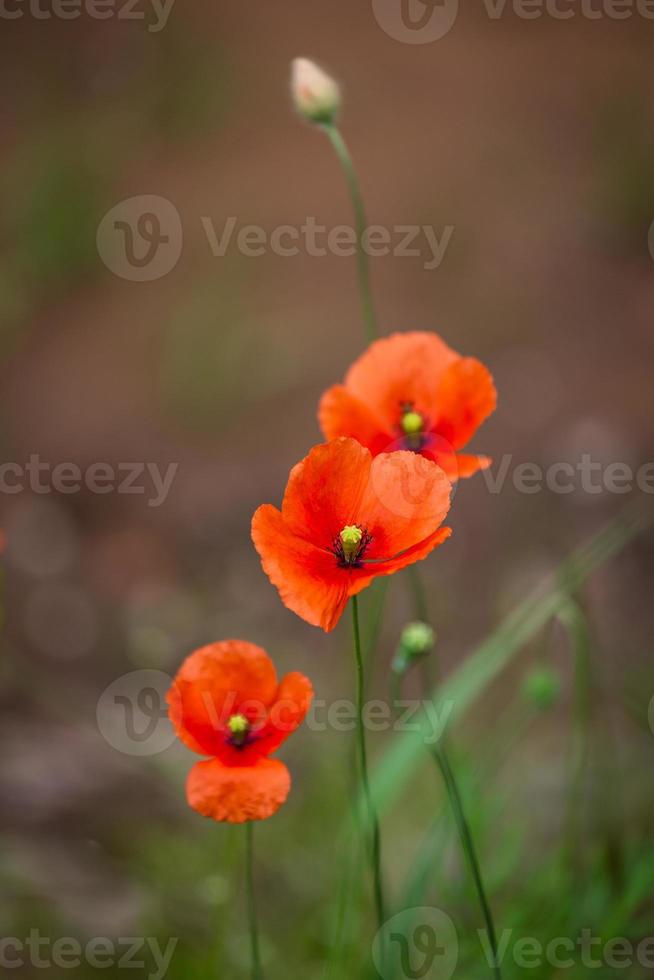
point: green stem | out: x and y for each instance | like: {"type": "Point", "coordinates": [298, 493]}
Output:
{"type": "Point", "coordinates": [463, 827]}
{"type": "Point", "coordinates": [363, 269]}
{"type": "Point", "coordinates": [420, 604]}
{"type": "Point", "coordinates": [468, 845]}
{"type": "Point", "coordinates": [429, 665]}
{"type": "Point", "coordinates": [257, 973]}
{"type": "Point", "coordinates": [377, 593]}
{"type": "Point", "coordinates": [440, 755]}
{"type": "Point", "coordinates": [349, 889]}
{"type": "Point", "coordinates": [373, 821]}
{"type": "Point", "coordinates": [574, 622]}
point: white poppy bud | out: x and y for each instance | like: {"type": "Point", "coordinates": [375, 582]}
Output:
{"type": "Point", "coordinates": [316, 95]}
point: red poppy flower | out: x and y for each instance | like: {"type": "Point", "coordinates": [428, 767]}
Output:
{"type": "Point", "coordinates": [226, 702]}
{"type": "Point", "coordinates": [345, 519]}
{"type": "Point", "coordinates": [411, 391]}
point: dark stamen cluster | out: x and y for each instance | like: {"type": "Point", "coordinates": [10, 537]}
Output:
{"type": "Point", "coordinates": [412, 428]}
{"type": "Point", "coordinates": [356, 559]}
{"type": "Point", "coordinates": [240, 731]}
{"type": "Point", "coordinates": [415, 442]}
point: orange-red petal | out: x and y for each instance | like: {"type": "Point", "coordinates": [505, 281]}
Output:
{"type": "Point", "coordinates": [215, 682]}
{"type": "Point", "coordinates": [307, 578]}
{"type": "Point", "coordinates": [400, 499]}
{"type": "Point", "coordinates": [454, 394]}
{"type": "Point", "coordinates": [288, 711]}
{"type": "Point", "coordinates": [342, 413]}
{"type": "Point", "coordinates": [361, 578]}
{"type": "Point", "coordinates": [325, 489]}
{"type": "Point", "coordinates": [238, 793]}
{"type": "Point", "coordinates": [407, 499]}
{"type": "Point", "coordinates": [465, 397]}
{"type": "Point", "coordinates": [405, 367]}
{"type": "Point", "coordinates": [456, 466]}
{"type": "Point", "coordinates": [468, 465]}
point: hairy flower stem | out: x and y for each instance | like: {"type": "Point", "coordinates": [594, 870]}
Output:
{"type": "Point", "coordinates": [373, 822]}
{"type": "Point", "coordinates": [363, 270]}
{"type": "Point", "coordinates": [257, 973]}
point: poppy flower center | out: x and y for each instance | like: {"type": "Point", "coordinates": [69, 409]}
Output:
{"type": "Point", "coordinates": [412, 423]}
{"type": "Point", "coordinates": [351, 536]}
{"type": "Point", "coordinates": [239, 728]}
{"type": "Point", "coordinates": [350, 544]}
{"type": "Point", "coordinates": [413, 426]}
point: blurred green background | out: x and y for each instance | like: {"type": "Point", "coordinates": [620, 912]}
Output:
{"type": "Point", "coordinates": [535, 141]}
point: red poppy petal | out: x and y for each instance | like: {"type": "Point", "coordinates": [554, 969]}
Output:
{"type": "Point", "coordinates": [288, 712]}
{"type": "Point", "coordinates": [308, 579]}
{"type": "Point", "coordinates": [215, 682]}
{"type": "Point", "coordinates": [468, 465]}
{"type": "Point", "coordinates": [324, 490]}
{"type": "Point", "coordinates": [405, 367]}
{"type": "Point", "coordinates": [465, 397]}
{"type": "Point", "coordinates": [362, 579]}
{"type": "Point", "coordinates": [341, 413]}
{"type": "Point", "coordinates": [238, 793]}
{"type": "Point", "coordinates": [407, 499]}
{"type": "Point", "coordinates": [457, 466]}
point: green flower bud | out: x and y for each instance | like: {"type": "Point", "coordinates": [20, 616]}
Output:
{"type": "Point", "coordinates": [542, 687]}
{"type": "Point", "coordinates": [417, 640]}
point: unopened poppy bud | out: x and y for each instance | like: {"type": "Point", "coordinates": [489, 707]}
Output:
{"type": "Point", "coordinates": [417, 640]}
{"type": "Point", "coordinates": [239, 727]}
{"type": "Point", "coordinates": [351, 536]}
{"type": "Point", "coordinates": [316, 95]}
{"type": "Point", "coordinates": [542, 687]}
{"type": "Point", "coordinates": [412, 423]}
